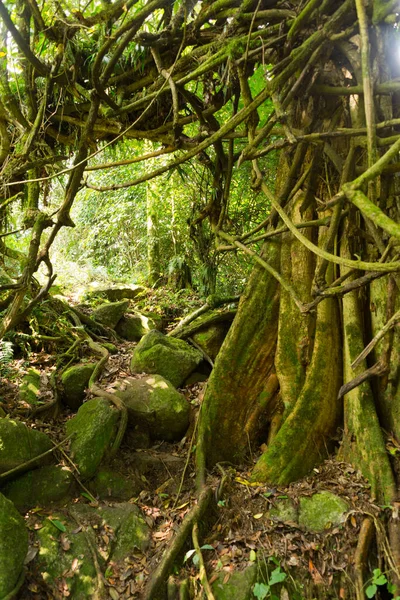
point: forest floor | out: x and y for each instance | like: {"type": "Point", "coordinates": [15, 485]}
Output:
{"type": "Point", "coordinates": [240, 531]}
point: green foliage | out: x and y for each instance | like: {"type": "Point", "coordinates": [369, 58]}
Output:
{"type": "Point", "coordinates": [378, 580]}
{"type": "Point", "coordinates": [6, 357]}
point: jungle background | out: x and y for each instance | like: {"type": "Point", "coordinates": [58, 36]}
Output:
{"type": "Point", "coordinates": [199, 299]}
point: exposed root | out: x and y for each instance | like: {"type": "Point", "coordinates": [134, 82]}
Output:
{"type": "Point", "coordinates": [361, 555]}
{"type": "Point", "coordinates": [202, 569]}
{"type": "Point", "coordinates": [153, 589]}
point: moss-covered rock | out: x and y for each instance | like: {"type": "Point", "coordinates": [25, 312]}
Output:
{"type": "Point", "coordinates": [153, 403]}
{"type": "Point", "coordinates": [134, 327]}
{"type": "Point", "coordinates": [109, 484]}
{"type": "Point", "coordinates": [109, 314]}
{"type": "Point", "coordinates": [239, 586]}
{"type": "Point", "coordinates": [211, 338]}
{"type": "Point", "coordinates": [172, 358]}
{"type": "Point", "coordinates": [69, 565]}
{"type": "Point", "coordinates": [284, 510]}
{"type": "Point", "coordinates": [40, 487]}
{"type": "Point", "coordinates": [117, 293]}
{"type": "Point", "coordinates": [29, 390]}
{"type": "Point", "coordinates": [110, 347]}
{"type": "Point", "coordinates": [75, 380]}
{"type": "Point", "coordinates": [130, 530]}
{"type": "Point", "coordinates": [13, 546]}
{"type": "Point", "coordinates": [95, 427]}
{"type": "Point", "coordinates": [20, 443]}
{"type": "Point", "coordinates": [321, 511]}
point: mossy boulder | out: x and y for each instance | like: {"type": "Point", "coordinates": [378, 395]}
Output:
{"type": "Point", "coordinates": [20, 443]}
{"type": "Point", "coordinates": [13, 546]}
{"type": "Point", "coordinates": [40, 487]}
{"type": "Point", "coordinates": [112, 349]}
{"type": "Point", "coordinates": [75, 380]}
{"type": "Point", "coordinates": [130, 530]}
{"type": "Point", "coordinates": [133, 327]}
{"type": "Point", "coordinates": [109, 314]}
{"type": "Point", "coordinates": [284, 510]}
{"type": "Point", "coordinates": [239, 585]}
{"type": "Point", "coordinates": [94, 426]}
{"type": "Point", "coordinates": [114, 294]}
{"type": "Point", "coordinates": [70, 565]}
{"type": "Point", "coordinates": [211, 338]}
{"type": "Point", "coordinates": [29, 390]}
{"type": "Point", "coordinates": [154, 404]}
{"type": "Point", "coordinates": [109, 484]}
{"type": "Point", "coordinates": [172, 358]}
{"type": "Point", "coordinates": [321, 511]}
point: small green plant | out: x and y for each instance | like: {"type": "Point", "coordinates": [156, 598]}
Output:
{"type": "Point", "coordinates": [380, 579]}
{"type": "Point", "coordinates": [264, 590]}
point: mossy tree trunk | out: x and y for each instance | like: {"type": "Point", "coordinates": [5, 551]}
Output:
{"type": "Point", "coordinates": [285, 376]}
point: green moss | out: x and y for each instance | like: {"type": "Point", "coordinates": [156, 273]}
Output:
{"type": "Point", "coordinates": [40, 487]}
{"type": "Point", "coordinates": [172, 358]}
{"type": "Point", "coordinates": [238, 587]}
{"type": "Point", "coordinates": [109, 314]}
{"type": "Point", "coordinates": [94, 426]}
{"type": "Point", "coordinates": [19, 443]}
{"type": "Point", "coordinates": [321, 511]}
{"type": "Point", "coordinates": [284, 510]}
{"type": "Point", "coordinates": [30, 387]}
{"type": "Point", "coordinates": [75, 380]}
{"type": "Point", "coordinates": [13, 546]}
{"type": "Point", "coordinates": [155, 405]}
{"type": "Point", "coordinates": [109, 484]}
{"type": "Point", "coordinates": [56, 561]}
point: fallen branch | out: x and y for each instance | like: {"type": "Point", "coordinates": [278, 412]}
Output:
{"type": "Point", "coordinates": [202, 569]}
{"type": "Point", "coordinates": [361, 555]}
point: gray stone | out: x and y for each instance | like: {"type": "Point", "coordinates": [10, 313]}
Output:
{"type": "Point", "coordinates": [284, 510]}
{"type": "Point", "coordinates": [13, 546]}
{"type": "Point", "coordinates": [153, 403]}
{"type": "Point", "coordinates": [118, 293]}
{"type": "Point", "coordinates": [40, 487]}
{"type": "Point", "coordinates": [134, 327]}
{"type": "Point", "coordinates": [75, 380]}
{"type": "Point", "coordinates": [20, 443]}
{"type": "Point", "coordinates": [95, 426]}
{"type": "Point", "coordinates": [172, 358]}
{"type": "Point", "coordinates": [109, 314]}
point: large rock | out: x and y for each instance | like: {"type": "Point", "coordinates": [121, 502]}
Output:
{"type": "Point", "coordinates": [172, 358]}
{"type": "Point", "coordinates": [321, 511]}
{"type": "Point", "coordinates": [239, 585]}
{"type": "Point", "coordinates": [75, 380]}
{"type": "Point", "coordinates": [129, 528]}
{"type": "Point", "coordinates": [108, 484]}
{"type": "Point", "coordinates": [68, 564]}
{"type": "Point", "coordinates": [29, 390]}
{"type": "Point", "coordinates": [13, 546]}
{"type": "Point", "coordinates": [134, 327]}
{"type": "Point", "coordinates": [95, 426]}
{"type": "Point", "coordinates": [153, 403]}
{"type": "Point", "coordinates": [40, 487]}
{"type": "Point", "coordinates": [118, 293]}
{"type": "Point", "coordinates": [109, 314]}
{"type": "Point", "coordinates": [20, 443]}
{"type": "Point", "coordinates": [211, 338]}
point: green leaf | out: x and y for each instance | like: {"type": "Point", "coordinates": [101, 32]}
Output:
{"type": "Point", "coordinates": [261, 590]}
{"type": "Point", "coordinates": [371, 591]}
{"type": "Point", "coordinates": [379, 578]}
{"type": "Point", "coordinates": [196, 560]}
{"type": "Point", "coordinates": [277, 576]}
{"type": "Point", "coordinates": [58, 525]}
{"type": "Point", "coordinates": [207, 547]}
{"type": "Point", "coordinates": [253, 556]}
{"type": "Point", "coordinates": [188, 554]}
{"type": "Point", "coordinates": [88, 497]}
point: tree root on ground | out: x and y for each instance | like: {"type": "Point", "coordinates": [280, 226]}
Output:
{"type": "Point", "coordinates": [361, 555]}
{"type": "Point", "coordinates": [153, 590]}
